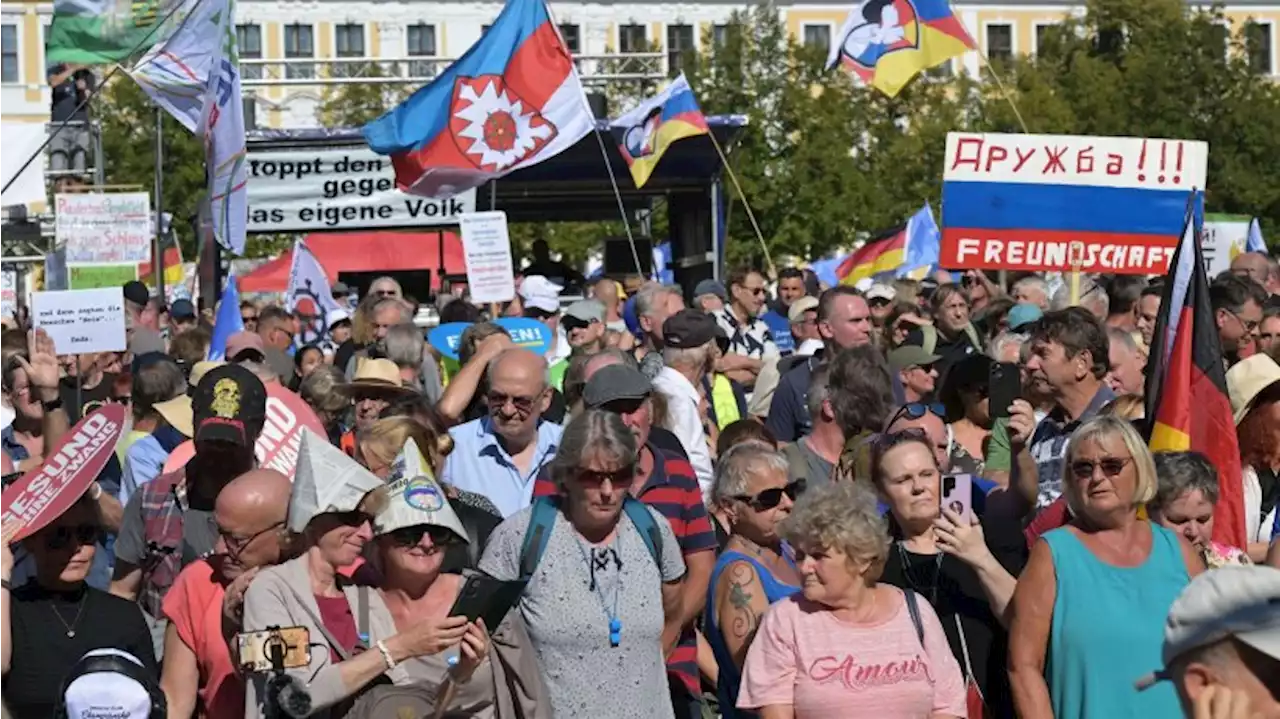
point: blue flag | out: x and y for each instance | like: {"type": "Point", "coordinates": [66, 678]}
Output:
{"type": "Point", "coordinates": [227, 322]}
{"type": "Point", "coordinates": [923, 240]}
{"type": "Point", "coordinates": [1254, 242]}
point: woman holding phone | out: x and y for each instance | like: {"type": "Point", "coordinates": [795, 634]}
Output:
{"type": "Point", "coordinates": [965, 570]}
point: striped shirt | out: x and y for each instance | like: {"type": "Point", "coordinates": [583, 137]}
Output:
{"type": "Point", "coordinates": [673, 491]}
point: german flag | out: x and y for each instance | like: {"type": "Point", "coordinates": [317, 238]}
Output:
{"type": "Point", "coordinates": [883, 253]}
{"type": "Point", "coordinates": [1186, 380]}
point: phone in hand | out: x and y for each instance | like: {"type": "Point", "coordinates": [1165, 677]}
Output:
{"type": "Point", "coordinates": [255, 648]}
{"type": "Point", "coordinates": [483, 597]}
{"type": "Point", "coordinates": [1004, 386]}
{"type": "Point", "coordinates": [957, 495]}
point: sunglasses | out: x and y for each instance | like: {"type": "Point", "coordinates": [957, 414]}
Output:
{"type": "Point", "coordinates": [879, 302]}
{"type": "Point", "coordinates": [916, 410]}
{"type": "Point", "coordinates": [64, 536]}
{"type": "Point", "coordinates": [498, 400]}
{"type": "Point", "coordinates": [354, 518]}
{"type": "Point", "coordinates": [1111, 467]}
{"type": "Point", "coordinates": [618, 478]}
{"type": "Point", "coordinates": [573, 323]}
{"type": "Point", "coordinates": [408, 537]}
{"type": "Point", "coordinates": [772, 497]}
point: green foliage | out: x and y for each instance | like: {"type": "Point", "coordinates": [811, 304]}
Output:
{"type": "Point", "coordinates": [354, 104]}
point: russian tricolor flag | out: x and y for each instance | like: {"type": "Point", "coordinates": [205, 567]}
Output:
{"type": "Point", "coordinates": [513, 100]}
{"type": "Point", "coordinates": [646, 132]}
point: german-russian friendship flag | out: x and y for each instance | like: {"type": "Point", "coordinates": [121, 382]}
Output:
{"type": "Point", "coordinates": [883, 253]}
{"type": "Point", "coordinates": [1187, 382]}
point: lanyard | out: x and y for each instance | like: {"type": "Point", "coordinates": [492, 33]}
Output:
{"type": "Point", "coordinates": [593, 561]}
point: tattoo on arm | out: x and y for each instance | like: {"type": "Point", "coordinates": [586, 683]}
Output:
{"type": "Point", "coordinates": [744, 619]}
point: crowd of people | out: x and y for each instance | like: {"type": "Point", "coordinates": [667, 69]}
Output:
{"type": "Point", "coordinates": [766, 498]}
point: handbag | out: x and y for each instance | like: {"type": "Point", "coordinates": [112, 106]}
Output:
{"type": "Point", "coordinates": [973, 699]}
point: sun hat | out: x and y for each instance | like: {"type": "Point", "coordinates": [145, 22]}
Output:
{"type": "Point", "coordinates": [377, 376]}
{"type": "Point", "coordinates": [1247, 379]}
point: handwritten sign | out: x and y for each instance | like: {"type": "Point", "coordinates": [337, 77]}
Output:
{"type": "Point", "coordinates": [81, 321]}
{"type": "Point", "coordinates": [486, 248]}
{"type": "Point", "coordinates": [101, 228]}
{"type": "Point", "coordinates": [40, 496]}
{"type": "Point", "coordinates": [1062, 202]}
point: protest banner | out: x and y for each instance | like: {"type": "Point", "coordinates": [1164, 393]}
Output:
{"type": "Point", "coordinates": [1059, 202]}
{"type": "Point", "coordinates": [338, 188]}
{"type": "Point", "coordinates": [92, 277]}
{"type": "Point", "coordinates": [41, 495]}
{"type": "Point", "coordinates": [1224, 238]}
{"type": "Point", "coordinates": [81, 321]}
{"type": "Point", "coordinates": [104, 228]}
{"type": "Point", "coordinates": [486, 249]}
{"type": "Point", "coordinates": [525, 333]}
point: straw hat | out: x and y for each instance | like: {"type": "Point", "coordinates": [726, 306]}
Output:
{"type": "Point", "coordinates": [177, 412]}
{"type": "Point", "coordinates": [1247, 379]}
{"type": "Point", "coordinates": [200, 368]}
{"type": "Point", "coordinates": [377, 376]}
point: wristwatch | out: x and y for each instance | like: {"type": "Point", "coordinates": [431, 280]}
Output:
{"type": "Point", "coordinates": [52, 404]}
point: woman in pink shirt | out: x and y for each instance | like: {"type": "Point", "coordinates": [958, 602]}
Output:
{"type": "Point", "coordinates": [848, 646]}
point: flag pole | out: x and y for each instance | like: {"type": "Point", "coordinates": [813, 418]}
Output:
{"type": "Point", "coordinates": [1004, 91]}
{"type": "Point", "coordinates": [733, 177]}
{"type": "Point", "coordinates": [617, 195]}
{"type": "Point", "coordinates": [158, 247]}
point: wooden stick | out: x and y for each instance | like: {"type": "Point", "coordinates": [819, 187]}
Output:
{"type": "Point", "coordinates": [733, 177]}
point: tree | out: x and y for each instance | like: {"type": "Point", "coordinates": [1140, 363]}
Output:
{"type": "Point", "coordinates": [354, 104]}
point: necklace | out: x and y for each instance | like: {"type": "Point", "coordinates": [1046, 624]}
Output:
{"type": "Point", "coordinates": [599, 558]}
{"type": "Point", "coordinates": [71, 628]}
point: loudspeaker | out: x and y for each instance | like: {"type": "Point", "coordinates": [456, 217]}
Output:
{"type": "Point", "coordinates": [618, 261]}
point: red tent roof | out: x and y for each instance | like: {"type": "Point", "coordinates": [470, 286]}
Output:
{"type": "Point", "coordinates": [363, 252]}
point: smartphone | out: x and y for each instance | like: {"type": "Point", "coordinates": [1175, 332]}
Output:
{"type": "Point", "coordinates": [1004, 386]}
{"type": "Point", "coordinates": [957, 495]}
{"type": "Point", "coordinates": [255, 648]}
{"type": "Point", "coordinates": [483, 597]}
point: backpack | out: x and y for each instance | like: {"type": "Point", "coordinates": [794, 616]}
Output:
{"type": "Point", "coordinates": [543, 520]}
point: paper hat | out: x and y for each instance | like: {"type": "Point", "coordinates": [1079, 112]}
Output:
{"type": "Point", "coordinates": [327, 480]}
{"type": "Point", "coordinates": [416, 498]}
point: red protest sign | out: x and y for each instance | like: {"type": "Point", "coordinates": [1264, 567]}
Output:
{"type": "Point", "coordinates": [40, 496]}
{"type": "Point", "coordinates": [277, 446]}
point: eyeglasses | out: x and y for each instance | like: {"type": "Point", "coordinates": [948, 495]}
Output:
{"type": "Point", "coordinates": [1248, 325]}
{"type": "Point", "coordinates": [407, 537]}
{"type": "Point", "coordinates": [236, 545]}
{"type": "Point", "coordinates": [354, 518]}
{"type": "Point", "coordinates": [81, 535]}
{"type": "Point", "coordinates": [619, 478]}
{"type": "Point", "coordinates": [1111, 466]}
{"type": "Point", "coordinates": [772, 497]}
{"type": "Point", "coordinates": [754, 290]}
{"type": "Point", "coordinates": [916, 410]}
{"type": "Point", "coordinates": [523, 405]}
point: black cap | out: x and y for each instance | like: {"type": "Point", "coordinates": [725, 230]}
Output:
{"type": "Point", "coordinates": [689, 328]}
{"type": "Point", "coordinates": [615, 382]}
{"type": "Point", "coordinates": [230, 405]}
{"type": "Point", "coordinates": [136, 292]}
{"type": "Point", "coordinates": [182, 309]}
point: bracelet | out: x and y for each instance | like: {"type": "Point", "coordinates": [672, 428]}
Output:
{"type": "Point", "coordinates": [386, 654]}
{"type": "Point", "coordinates": [95, 491]}
{"type": "Point", "coordinates": [4, 584]}
{"type": "Point", "coordinates": [52, 404]}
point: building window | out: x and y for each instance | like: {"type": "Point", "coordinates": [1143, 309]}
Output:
{"type": "Point", "coordinates": [250, 107]}
{"type": "Point", "coordinates": [632, 39]}
{"type": "Point", "coordinates": [719, 34]}
{"type": "Point", "coordinates": [679, 42]}
{"type": "Point", "coordinates": [572, 36]}
{"type": "Point", "coordinates": [299, 44]}
{"type": "Point", "coordinates": [1000, 42]}
{"type": "Point", "coordinates": [348, 41]}
{"type": "Point", "coordinates": [421, 41]}
{"type": "Point", "coordinates": [8, 53]}
{"type": "Point", "coordinates": [941, 72]}
{"type": "Point", "coordinates": [1257, 43]}
{"type": "Point", "coordinates": [818, 36]}
{"type": "Point", "coordinates": [1046, 34]}
{"type": "Point", "coordinates": [249, 42]}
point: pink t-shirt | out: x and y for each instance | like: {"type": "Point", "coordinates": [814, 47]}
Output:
{"type": "Point", "coordinates": [804, 657]}
{"type": "Point", "coordinates": [194, 607]}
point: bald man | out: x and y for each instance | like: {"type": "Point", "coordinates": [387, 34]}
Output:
{"type": "Point", "coordinates": [203, 606]}
{"type": "Point", "coordinates": [1259, 268]}
{"type": "Point", "coordinates": [499, 454]}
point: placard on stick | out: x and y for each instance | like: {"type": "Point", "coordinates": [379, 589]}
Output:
{"type": "Point", "coordinates": [486, 248]}
{"type": "Point", "coordinates": [81, 321]}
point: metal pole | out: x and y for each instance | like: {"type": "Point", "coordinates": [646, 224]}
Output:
{"type": "Point", "coordinates": [157, 251]}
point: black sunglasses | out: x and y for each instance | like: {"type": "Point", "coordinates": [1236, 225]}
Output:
{"type": "Point", "coordinates": [772, 497]}
{"type": "Point", "coordinates": [64, 536]}
{"type": "Point", "coordinates": [407, 537]}
{"type": "Point", "coordinates": [916, 410]}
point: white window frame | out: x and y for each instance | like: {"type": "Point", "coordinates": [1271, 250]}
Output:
{"type": "Point", "coordinates": [15, 21]}
{"type": "Point", "coordinates": [831, 32]}
{"type": "Point", "coordinates": [1013, 36]}
{"type": "Point", "coordinates": [284, 50]}
{"type": "Point", "coordinates": [435, 40]}
{"type": "Point", "coordinates": [617, 32]}
{"type": "Point", "coordinates": [666, 34]}
{"type": "Point", "coordinates": [1271, 42]}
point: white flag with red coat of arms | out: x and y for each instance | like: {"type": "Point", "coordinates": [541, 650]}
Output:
{"type": "Point", "coordinates": [309, 294]}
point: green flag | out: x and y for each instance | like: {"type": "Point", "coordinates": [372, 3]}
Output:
{"type": "Point", "coordinates": [97, 32]}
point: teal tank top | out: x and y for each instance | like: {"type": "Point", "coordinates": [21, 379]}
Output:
{"type": "Point", "coordinates": [1108, 628]}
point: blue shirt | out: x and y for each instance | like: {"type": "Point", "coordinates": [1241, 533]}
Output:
{"type": "Point", "coordinates": [478, 463]}
{"type": "Point", "coordinates": [145, 459]}
{"type": "Point", "coordinates": [780, 327]}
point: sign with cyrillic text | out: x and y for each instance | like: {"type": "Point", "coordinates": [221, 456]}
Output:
{"type": "Point", "coordinates": [81, 321]}
{"type": "Point", "coordinates": [486, 249]}
{"type": "Point", "coordinates": [104, 227]}
{"type": "Point", "coordinates": [338, 188]}
{"type": "Point", "coordinates": [1061, 202]}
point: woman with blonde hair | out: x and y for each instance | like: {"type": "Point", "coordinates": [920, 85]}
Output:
{"type": "Point", "coordinates": [814, 653]}
{"type": "Point", "coordinates": [1089, 609]}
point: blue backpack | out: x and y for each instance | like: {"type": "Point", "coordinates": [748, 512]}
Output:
{"type": "Point", "coordinates": [543, 520]}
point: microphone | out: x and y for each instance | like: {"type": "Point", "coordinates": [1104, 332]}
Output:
{"type": "Point", "coordinates": [291, 696]}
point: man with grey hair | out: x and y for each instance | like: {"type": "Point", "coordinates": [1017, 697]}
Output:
{"type": "Point", "coordinates": [499, 455]}
{"type": "Point", "coordinates": [386, 286]}
{"type": "Point", "coordinates": [654, 304]}
{"type": "Point", "coordinates": [1033, 290]}
{"type": "Point", "coordinates": [385, 314]}
{"type": "Point", "coordinates": [1222, 644]}
{"type": "Point", "coordinates": [1092, 297]}
{"type": "Point", "coordinates": [689, 354]}
{"type": "Point", "coordinates": [1007, 347]}
{"type": "Point", "coordinates": [813, 457]}
{"type": "Point", "coordinates": [1128, 363]}
{"type": "Point", "coordinates": [405, 345]}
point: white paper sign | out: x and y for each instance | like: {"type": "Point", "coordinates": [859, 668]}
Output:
{"type": "Point", "coordinates": [21, 141]}
{"type": "Point", "coordinates": [104, 228]}
{"type": "Point", "coordinates": [81, 321]}
{"type": "Point", "coordinates": [486, 248]}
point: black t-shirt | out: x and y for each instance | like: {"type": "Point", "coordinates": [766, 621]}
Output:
{"type": "Point", "coordinates": [90, 398]}
{"type": "Point", "coordinates": [953, 589]}
{"type": "Point", "coordinates": [43, 654]}
{"type": "Point", "coordinates": [66, 97]}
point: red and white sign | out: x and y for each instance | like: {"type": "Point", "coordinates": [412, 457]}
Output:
{"type": "Point", "coordinates": [277, 446]}
{"type": "Point", "coordinates": [1031, 251]}
{"type": "Point", "coordinates": [40, 496]}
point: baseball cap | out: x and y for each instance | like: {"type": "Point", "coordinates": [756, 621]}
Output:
{"type": "Point", "coordinates": [182, 310]}
{"type": "Point", "coordinates": [910, 356]}
{"type": "Point", "coordinates": [688, 328]}
{"type": "Point", "coordinates": [136, 292]}
{"type": "Point", "coordinates": [795, 313]}
{"type": "Point", "coordinates": [111, 683]}
{"type": "Point", "coordinates": [540, 293]}
{"type": "Point", "coordinates": [711, 287]}
{"type": "Point", "coordinates": [415, 498]}
{"type": "Point", "coordinates": [587, 311]}
{"type": "Point", "coordinates": [615, 382]}
{"type": "Point", "coordinates": [244, 341]}
{"type": "Point", "coordinates": [1232, 601]}
{"type": "Point", "coordinates": [326, 481]}
{"type": "Point", "coordinates": [881, 291]}
{"type": "Point", "coordinates": [334, 316]}
{"type": "Point", "coordinates": [339, 289]}
{"type": "Point", "coordinates": [229, 404]}
{"type": "Point", "coordinates": [1023, 313]}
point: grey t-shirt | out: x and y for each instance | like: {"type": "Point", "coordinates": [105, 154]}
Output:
{"type": "Point", "coordinates": [804, 463]}
{"type": "Point", "coordinates": [568, 623]}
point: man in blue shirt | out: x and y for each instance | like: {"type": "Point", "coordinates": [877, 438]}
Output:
{"type": "Point", "coordinates": [790, 289]}
{"type": "Point", "coordinates": [499, 454]}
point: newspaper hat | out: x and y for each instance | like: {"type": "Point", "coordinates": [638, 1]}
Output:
{"type": "Point", "coordinates": [415, 497]}
{"type": "Point", "coordinates": [110, 683]}
{"type": "Point", "coordinates": [327, 480]}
